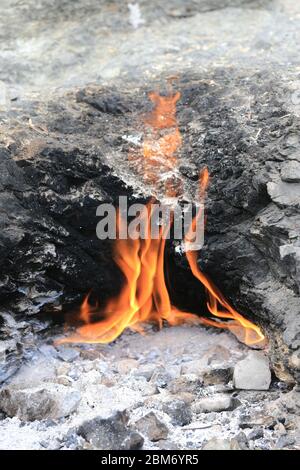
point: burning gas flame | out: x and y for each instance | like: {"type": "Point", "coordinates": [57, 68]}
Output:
{"type": "Point", "coordinates": [144, 296]}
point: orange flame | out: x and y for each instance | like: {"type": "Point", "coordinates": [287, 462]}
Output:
{"type": "Point", "coordinates": [144, 296]}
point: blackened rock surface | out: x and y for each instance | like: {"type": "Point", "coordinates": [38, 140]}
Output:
{"type": "Point", "coordinates": [63, 150]}
{"type": "Point", "coordinates": [111, 433]}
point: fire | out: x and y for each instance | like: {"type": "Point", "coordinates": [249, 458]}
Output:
{"type": "Point", "coordinates": [144, 296]}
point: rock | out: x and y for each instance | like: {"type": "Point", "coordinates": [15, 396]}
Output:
{"type": "Point", "coordinates": [161, 378]}
{"type": "Point", "coordinates": [294, 360]}
{"type": "Point", "coordinates": [242, 440]}
{"type": "Point", "coordinates": [179, 412]}
{"type": "Point", "coordinates": [290, 171]}
{"type": "Point", "coordinates": [140, 384]}
{"type": "Point", "coordinates": [48, 351]}
{"type": "Point", "coordinates": [63, 368]}
{"type": "Point", "coordinates": [253, 372]}
{"type": "Point", "coordinates": [217, 355]}
{"type": "Point", "coordinates": [34, 374]}
{"type": "Point", "coordinates": [255, 434]}
{"type": "Point", "coordinates": [9, 360]}
{"type": "Point", "coordinates": [71, 441]}
{"type": "Point", "coordinates": [145, 370]}
{"type": "Point", "coordinates": [190, 383]}
{"type": "Point", "coordinates": [55, 401]}
{"type": "Point", "coordinates": [167, 445]}
{"type": "Point", "coordinates": [195, 367]}
{"type": "Point", "coordinates": [126, 366]}
{"type": "Point", "coordinates": [219, 402]}
{"type": "Point", "coordinates": [291, 401]}
{"type": "Point", "coordinates": [214, 362]}
{"type": "Point", "coordinates": [112, 433]}
{"type": "Point", "coordinates": [217, 376]}
{"type": "Point", "coordinates": [284, 194]}
{"type": "Point", "coordinates": [149, 425]}
{"type": "Point", "coordinates": [187, 397]}
{"type": "Point", "coordinates": [67, 354]}
{"type": "Point", "coordinates": [285, 441]}
{"type": "Point", "coordinates": [222, 444]}
{"type": "Point", "coordinates": [262, 420]}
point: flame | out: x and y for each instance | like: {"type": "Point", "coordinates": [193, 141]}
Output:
{"type": "Point", "coordinates": [243, 329]}
{"type": "Point", "coordinates": [144, 296]}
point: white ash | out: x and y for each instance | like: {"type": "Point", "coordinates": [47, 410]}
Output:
{"type": "Point", "coordinates": [141, 375]}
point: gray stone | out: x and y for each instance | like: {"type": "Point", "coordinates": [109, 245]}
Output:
{"type": "Point", "coordinates": [284, 194]}
{"type": "Point", "coordinates": [112, 433]}
{"type": "Point", "coordinates": [34, 374]}
{"type": "Point", "coordinates": [144, 370]}
{"type": "Point", "coordinates": [255, 434]}
{"type": "Point", "coordinates": [285, 441]}
{"type": "Point", "coordinates": [179, 412]}
{"type": "Point", "coordinates": [217, 376]}
{"type": "Point", "coordinates": [253, 372]}
{"type": "Point", "coordinates": [218, 402]}
{"type": "Point", "coordinates": [55, 401]}
{"type": "Point", "coordinates": [190, 383]}
{"type": "Point", "coordinates": [161, 378]}
{"type": "Point", "coordinates": [222, 444]}
{"type": "Point", "coordinates": [167, 445]}
{"type": "Point", "coordinates": [290, 171]}
{"type": "Point", "coordinates": [126, 366]}
{"type": "Point", "coordinates": [68, 354]}
{"type": "Point", "coordinates": [48, 351]}
{"type": "Point", "coordinates": [291, 401]}
{"type": "Point", "coordinates": [152, 427]}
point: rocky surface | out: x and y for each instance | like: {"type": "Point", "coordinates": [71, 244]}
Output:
{"type": "Point", "coordinates": [64, 149]}
{"type": "Point", "coordinates": [73, 93]}
{"type": "Point", "coordinates": [253, 372]}
{"type": "Point", "coordinates": [107, 398]}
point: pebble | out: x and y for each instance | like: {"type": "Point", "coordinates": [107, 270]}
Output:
{"type": "Point", "coordinates": [190, 383]}
{"type": "Point", "coordinates": [126, 366]}
{"type": "Point", "coordinates": [253, 372]}
{"type": "Point", "coordinates": [218, 402]}
{"type": "Point", "coordinates": [111, 433]}
{"type": "Point", "coordinates": [179, 412]}
{"type": "Point", "coordinates": [55, 401]}
{"type": "Point", "coordinates": [67, 354]}
{"type": "Point", "coordinates": [152, 427]}
{"type": "Point", "coordinates": [145, 370]}
{"type": "Point", "coordinates": [285, 441]}
{"type": "Point", "coordinates": [255, 434]}
{"type": "Point", "coordinates": [290, 171]}
{"type": "Point", "coordinates": [221, 444]}
{"type": "Point", "coordinates": [217, 376]}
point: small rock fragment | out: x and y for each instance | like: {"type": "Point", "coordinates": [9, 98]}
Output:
{"type": "Point", "coordinates": [112, 433]}
{"type": "Point", "coordinates": [219, 402]}
{"type": "Point", "coordinates": [145, 370]}
{"type": "Point", "coordinates": [55, 401]}
{"type": "Point", "coordinates": [179, 412]}
{"type": "Point", "coordinates": [68, 354]}
{"type": "Point", "coordinates": [290, 171]}
{"type": "Point", "coordinates": [221, 444]}
{"type": "Point", "coordinates": [284, 194]}
{"type": "Point", "coordinates": [190, 383]}
{"type": "Point", "coordinates": [217, 376]}
{"type": "Point", "coordinates": [152, 427]}
{"type": "Point", "coordinates": [167, 445]}
{"type": "Point", "coordinates": [253, 372]}
{"type": "Point", "coordinates": [285, 441]}
{"type": "Point", "coordinates": [255, 434]}
{"type": "Point", "coordinates": [161, 378]}
{"type": "Point", "coordinates": [125, 366]}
